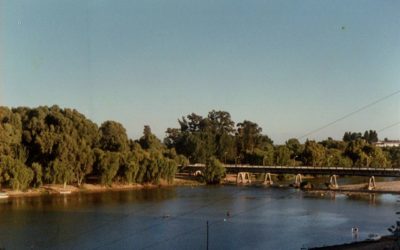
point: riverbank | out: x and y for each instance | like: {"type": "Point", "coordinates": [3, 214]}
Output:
{"type": "Point", "coordinates": [386, 242]}
{"type": "Point", "coordinates": [392, 187]}
{"type": "Point", "coordinates": [51, 189]}
{"type": "Point", "coordinates": [384, 187]}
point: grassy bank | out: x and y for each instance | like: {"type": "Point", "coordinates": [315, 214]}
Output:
{"type": "Point", "coordinates": [179, 180]}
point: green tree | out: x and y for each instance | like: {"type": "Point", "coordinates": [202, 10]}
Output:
{"type": "Point", "coordinates": [282, 155]}
{"type": "Point", "coordinates": [38, 174]}
{"type": "Point", "coordinates": [20, 176]}
{"type": "Point", "coordinates": [6, 162]}
{"type": "Point", "coordinates": [149, 140]}
{"type": "Point", "coordinates": [214, 171]}
{"type": "Point", "coordinates": [351, 136]}
{"type": "Point", "coordinates": [113, 137]}
{"type": "Point", "coordinates": [370, 136]}
{"type": "Point", "coordinates": [249, 137]}
{"type": "Point", "coordinates": [269, 155]}
{"type": "Point", "coordinates": [336, 158]}
{"type": "Point", "coordinates": [393, 154]}
{"type": "Point", "coordinates": [130, 166]}
{"type": "Point", "coordinates": [108, 165]}
{"type": "Point", "coordinates": [314, 154]}
{"type": "Point", "coordinates": [222, 130]}
{"type": "Point", "coordinates": [378, 158]}
{"type": "Point", "coordinates": [354, 151]}
{"type": "Point", "coordinates": [295, 148]}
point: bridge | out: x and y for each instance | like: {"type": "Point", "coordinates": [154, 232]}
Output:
{"type": "Point", "coordinates": [243, 172]}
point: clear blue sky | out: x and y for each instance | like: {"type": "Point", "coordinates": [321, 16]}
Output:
{"type": "Point", "coordinates": [290, 66]}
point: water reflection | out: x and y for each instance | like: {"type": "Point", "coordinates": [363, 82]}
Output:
{"type": "Point", "coordinates": [259, 218]}
{"type": "Point", "coordinates": [81, 200]}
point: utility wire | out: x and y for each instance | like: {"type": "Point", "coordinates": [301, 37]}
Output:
{"type": "Point", "coordinates": [390, 126]}
{"type": "Point", "coordinates": [102, 225]}
{"type": "Point", "coordinates": [192, 211]}
{"type": "Point", "coordinates": [234, 215]}
{"type": "Point", "coordinates": [136, 211]}
{"type": "Point", "coordinates": [349, 114]}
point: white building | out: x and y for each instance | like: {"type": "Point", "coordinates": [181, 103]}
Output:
{"type": "Point", "coordinates": [388, 143]}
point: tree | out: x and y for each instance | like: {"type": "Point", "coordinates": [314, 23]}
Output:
{"type": "Point", "coordinates": [378, 158]}
{"type": "Point", "coordinates": [282, 155]}
{"type": "Point", "coordinates": [83, 161]}
{"type": "Point", "coordinates": [269, 154]}
{"type": "Point", "coordinates": [370, 136]}
{"type": "Point", "coordinates": [20, 176]}
{"type": "Point", "coordinates": [113, 137]}
{"type": "Point", "coordinates": [295, 148]}
{"type": "Point", "coordinates": [149, 140]}
{"type": "Point", "coordinates": [38, 174]}
{"type": "Point", "coordinates": [393, 154]}
{"type": "Point", "coordinates": [108, 165]}
{"type": "Point", "coordinates": [349, 136]}
{"type": "Point", "coordinates": [6, 162]}
{"type": "Point", "coordinates": [188, 139]}
{"type": "Point", "coordinates": [222, 130]}
{"type": "Point", "coordinates": [354, 151]}
{"type": "Point", "coordinates": [130, 165]}
{"type": "Point", "coordinates": [249, 137]}
{"type": "Point", "coordinates": [313, 154]}
{"type": "Point", "coordinates": [214, 171]}
{"type": "Point", "coordinates": [336, 158]}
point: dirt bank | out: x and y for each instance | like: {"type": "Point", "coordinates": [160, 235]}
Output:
{"type": "Point", "coordinates": [180, 180]}
{"type": "Point", "coordinates": [387, 242]}
{"type": "Point", "coordinates": [386, 186]}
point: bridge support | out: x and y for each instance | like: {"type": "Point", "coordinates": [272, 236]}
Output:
{"type": "Point", "coordinates": [333, 182]}
{"type": "Point", "coordinates": [243, 177]}
{"type": "Point", "coordinates": [298, 180]}
{"type": "Point", "coordinates": [268, 179]}
{"type": "Point", "coordinates": [198, 173]}
{"type": "Point", "coordinates": [371, 183]}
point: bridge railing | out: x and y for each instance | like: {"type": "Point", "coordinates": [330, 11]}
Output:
{"type": "Point", "coordinates": [300, 167]}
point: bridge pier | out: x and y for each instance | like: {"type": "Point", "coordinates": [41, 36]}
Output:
{"type": "Point", "coordinates": [333, 182]}
{"type": "Point", "coordinates": [243, 177]}
{"type": "Point", "coordinates": [298, 180]}
{"type": "Point", "coordinates": [268, 179]}
{"type": "Point", "coordinates": [371, 183]}
{"type": "Point", "coordinates": [198, 173]}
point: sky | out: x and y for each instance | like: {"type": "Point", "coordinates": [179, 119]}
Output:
{"type": "Point", "coordinates": [290, 66]}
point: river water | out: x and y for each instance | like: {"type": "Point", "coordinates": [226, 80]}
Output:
{"type": "Point", "coordinates": [176, 218]}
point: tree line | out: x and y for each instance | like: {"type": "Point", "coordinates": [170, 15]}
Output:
{"type": "Point", "coordinates": [53, 145]}
{"type": "Point", "coordinates": [216, 135]}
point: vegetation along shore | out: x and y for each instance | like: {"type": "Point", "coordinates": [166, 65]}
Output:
{"type": "Point", "coordinates": [51, 148]}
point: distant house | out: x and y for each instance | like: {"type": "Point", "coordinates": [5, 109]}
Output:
{"type": "Point", "coordinates": [388, 143]}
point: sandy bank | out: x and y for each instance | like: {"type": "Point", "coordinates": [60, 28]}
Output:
{"type": "Point", "coordinates": [180, 180]}
{"type": "Point", "coordinates": [387, 242]}
{"type": "Point", "coordinates": [386, 186]}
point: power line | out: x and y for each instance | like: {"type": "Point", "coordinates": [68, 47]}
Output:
{"type": "Point", "coordinates": [107, 223]}
{"type": "Point", "coordinates": [102, 225]}
{"type": "Point", "coordinates": [192, 211]}
{"type": "Point", "coordinates": [235, 215]}
{"type": "Point", "coordinates": [390, 126]}
{"type": "Point", "coordinates": [349, 114]}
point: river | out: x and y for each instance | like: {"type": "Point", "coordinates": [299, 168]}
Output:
{"type": "Point", "coordinates": [240, 217]}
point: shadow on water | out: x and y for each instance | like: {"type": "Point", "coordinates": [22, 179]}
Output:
{"type": "Point", "coordinates": [81, 200]}
{"type": "Point", "coordinates": [259, 218]}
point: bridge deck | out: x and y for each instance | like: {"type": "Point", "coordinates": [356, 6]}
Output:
{"type": "Point", "coordinates": [362, 171]}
